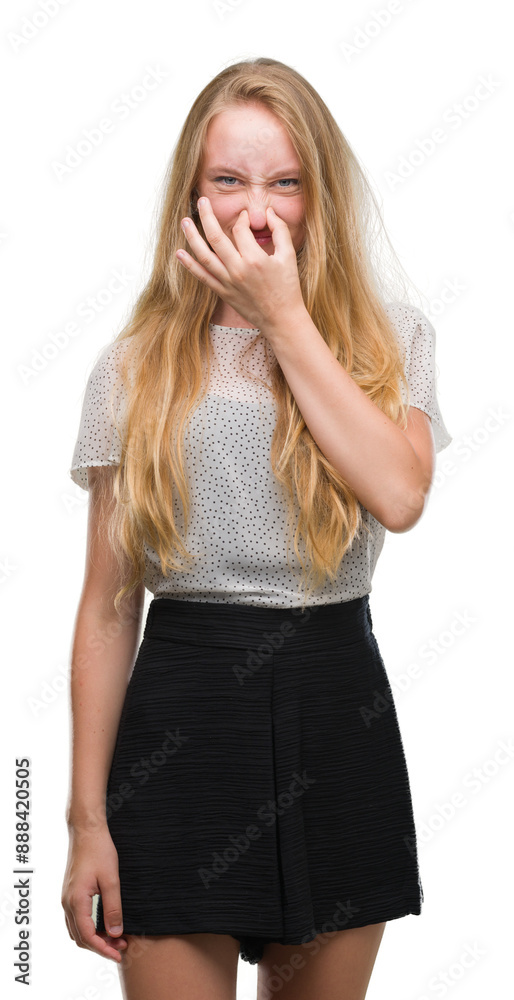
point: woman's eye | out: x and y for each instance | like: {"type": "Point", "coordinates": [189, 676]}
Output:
{"type": "Point", "coordinates": [281, 181]}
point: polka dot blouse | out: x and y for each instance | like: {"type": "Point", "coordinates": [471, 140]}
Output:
{"type": "Point", "coordinates": [238, 515]}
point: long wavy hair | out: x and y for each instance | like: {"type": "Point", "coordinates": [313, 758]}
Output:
{"type": "Point", "coordinates": [348, 272]}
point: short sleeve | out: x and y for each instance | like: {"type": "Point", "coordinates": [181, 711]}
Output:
{"type": "Point", "coordinates": [418, 337]}
{"type": "Point", "coordinates": [98, 441]}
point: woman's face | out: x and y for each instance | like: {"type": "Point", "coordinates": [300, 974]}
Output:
{"type": "Point", "coordinates": [249, 162]}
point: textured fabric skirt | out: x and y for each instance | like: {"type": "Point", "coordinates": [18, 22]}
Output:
{"type": "Point", "coordinates": [258, 785]}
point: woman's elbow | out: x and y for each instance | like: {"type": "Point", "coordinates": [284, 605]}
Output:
{"type": "Point", "coordinates": [406, 514]}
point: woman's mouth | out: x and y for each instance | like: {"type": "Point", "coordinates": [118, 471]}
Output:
{"type": "Point", "coordinates": [262, 235]}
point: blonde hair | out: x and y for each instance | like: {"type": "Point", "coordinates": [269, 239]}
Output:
{"type": "Point", "coordinates": [347, 270]}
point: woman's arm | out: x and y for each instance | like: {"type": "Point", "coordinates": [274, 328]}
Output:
{"type": "Point", "coordinates": [389, 469]}
{"type": "Point", "coordinates": [103, 653]}
{"type": "Point", "coordinates": [104, 648]}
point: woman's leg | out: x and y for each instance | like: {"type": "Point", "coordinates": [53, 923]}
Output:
{"type": "Point", "coordinates": [189, 966]}
{"type": "Point", "coordinates": [335, 966]}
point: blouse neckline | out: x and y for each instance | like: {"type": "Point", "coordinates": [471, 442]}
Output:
{"type": "Point", "coordinates": [235, 329]}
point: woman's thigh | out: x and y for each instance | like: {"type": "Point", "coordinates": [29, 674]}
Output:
{"type": "Point", "coordinates": [189, 966]}
{"type": "Point", "coordinates": [336, 966]}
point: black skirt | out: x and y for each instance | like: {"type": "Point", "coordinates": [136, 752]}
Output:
{"type": "Point", "coordinates": [259, 786]}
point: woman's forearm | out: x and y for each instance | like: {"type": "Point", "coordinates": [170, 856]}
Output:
{"type": "Point", "coordinates": [103, 654]}
{"type": "Point", "coordinates": [370, 451]}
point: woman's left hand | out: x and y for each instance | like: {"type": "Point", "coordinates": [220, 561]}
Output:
{"type": "Point", "coordinates": [263, 288]}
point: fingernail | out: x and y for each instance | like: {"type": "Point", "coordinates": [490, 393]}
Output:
{"type": "Point", "coordinates": [115, 930]}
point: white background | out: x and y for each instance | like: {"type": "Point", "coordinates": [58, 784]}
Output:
{"type": "Point", "coordinates": [452, 223]}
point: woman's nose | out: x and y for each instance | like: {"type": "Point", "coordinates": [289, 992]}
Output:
{"type": "Point", "coordinates": [257, 214]}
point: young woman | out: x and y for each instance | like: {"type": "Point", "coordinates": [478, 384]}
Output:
{"type": "Point", "coordinates": [238, 783]}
